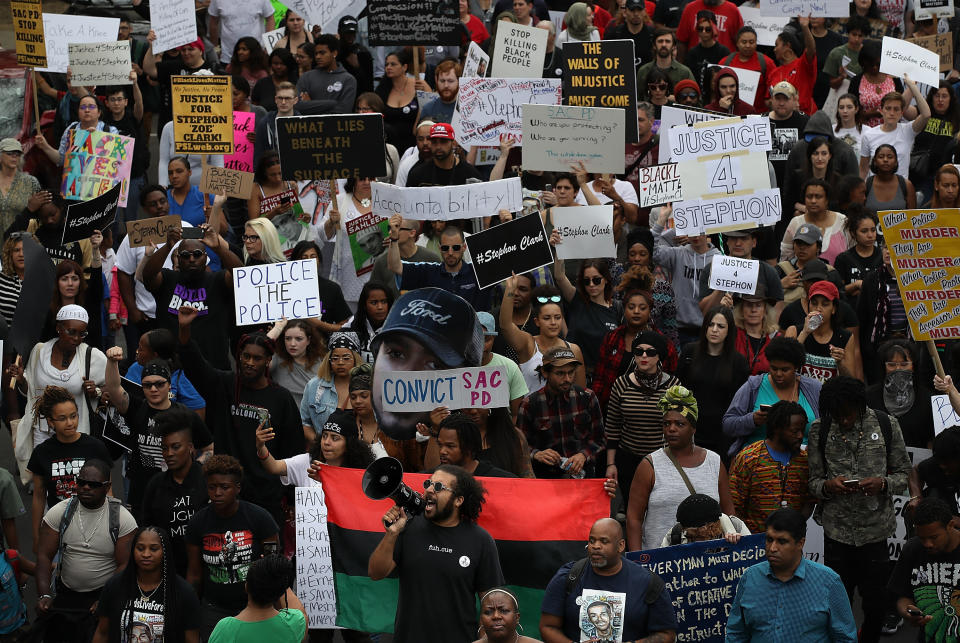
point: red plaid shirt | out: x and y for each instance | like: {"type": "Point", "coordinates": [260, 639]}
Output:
{"type": "Point", "coordinates": [614, 355]}
{"type": "Point", "coordinates": [569, 424]}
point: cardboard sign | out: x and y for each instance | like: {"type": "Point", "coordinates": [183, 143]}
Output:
{"type": "Point", "coordinates": [366, 234]}
{"type": "Point", "coordinates": [586, 232]}
{"type": "Point", "coordinates": [941, 43]}
{"type": "Point", "coordinates": [447, 203]}
{"type": "Point", "coordinates": [813, 8]}
{"type": "Point", "coordinates": [60, 30]}
{"type": "Point", "coordinates": [94, 163]}
{"type": "Point", "coordinates": [517, 246]}
{"type": "Point", "coordinates": [671, 115]}
{"type": "Point", "coordinates": [944, 416]}
{"type": "Point", "coordinates": [175, 23]}
{"type": "Point", "coordinates": [476, 63]}
{"type": "Point", "coordinates": [601, 74]}
{"type": "Point", "coordinates": [98, 213]}
{"type": "Point", "coordinates": [519, 51]}
{"type": "Point", "coordinates": [99, 63]}
{"type": "Point", "coordinates": [399, 23]}
{"type": "Point", "coordinates": [732, 274]}
{"type": "Point", "coordinates": [456, 388]}
{"type": "Point", "coordinates": [314, 564]}
{"type": "Point", "coordinates": [925, 253]}
{"type": "Point", "coordinates": [558, 137]}
{"type": "Point", "coordinates": [28, 29]}
{"type": "Point", "coordinates": [749, 82]}
{"type": "Point", "coordinates": [488, 108]}
{"type": "Point", "coordinates": [326, 13]}
{"type": "Point", "coordinates": [335, 146]}
{"type": "Point", "coordinates": [741, 212]}
{"type": "Point", "coordinates": [270, 292]}
{"type": "Point", "coordinates": [202, 114]}
{"type": "Point", "coordinates": [927, 9]}
{"type": "Point", "coordinates": [242, 157]}
{"type": "Point", "coordinates": [900, 57]}
{"type": "Point", "coordinates": [659, 184]}
{"type": "Point", "coordinates": [767, 27]}
{"type": "Point", "coordinates": [223, 180]}
{"type": "Point", "coordinates": [143, 232]}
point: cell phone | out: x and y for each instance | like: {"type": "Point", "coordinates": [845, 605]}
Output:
{"type": "Point", "coordinates": [192, 233]}
{"type": "Point", "coordinates": [765, 408]}
{"type": "Point", "coordinates": [548, 187]}
{"type": "Point", "coordinates": [264, 416]}
{"type": "Point", "coordinates": [851, 483]}
{"type": "Point", "coordinates": [913, 612]}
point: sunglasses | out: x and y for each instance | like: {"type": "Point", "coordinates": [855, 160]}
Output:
{"type": "Point", "coordinates": [93, 484]}
{"type": "Point", "coordinates": [704, 29]}
{"type": "Point", "coordinates": [596, 281]}
{"type": "Point", "coordinates": [552, 299]}
{"type": "Point", "coordinates": [455, 247]}
{"type": "Point", "coordinates": [688, 95]}
{"type": "Point", "coordinates": [660, 86]}
{"type": "Point", "coordinates": [250, 237]}
{"type": "Point", "coordinates": [73, 332]}
{"type": "Point", "coordinates": [154, 385]}
{"type": "Point", "coordinates": [437, 486]}
{"type": "Point", "coordinates": [186, 254]}
{"type": "Point", "coordinates": [646, 352]}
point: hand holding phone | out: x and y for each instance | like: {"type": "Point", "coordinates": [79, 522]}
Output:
{"type": "Point", "coordinates": [851, 483]}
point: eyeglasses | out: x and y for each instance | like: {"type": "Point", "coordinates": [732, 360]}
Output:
{"type": "Point", "coordinates": [437, 486]}
{"type": "Point", "coordinates": [688, 95]}
{"type": "Point", "coordinates": [154, 385]}
{"type": "Point", "coordinates": [87, 107]}
{"type": "Point", "coordinates": [553, 299]}
{"type": "Point", "coordinates": [659, 86]}
{"type": "Point", "coordinates": [455, 247]}
{"type": "Point", "coordinates": [250, 237]}
{"type": "Point", "coordinates": [646, 352]}
{"type": "Point", "coordinates": [186, 254]}
{"type": "Point", "coordinates": [93, 484]}
{"type": "Point", "coordinates": [596, 281]}
{"type": "Point", "coordinates": [73, 332]}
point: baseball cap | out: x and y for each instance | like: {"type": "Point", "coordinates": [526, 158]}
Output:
{"type": "Point", "coordinates": [783, 87]}
{"type": "Point", "coordinates": [347, 24]}
{"type": "Point", "coordinates": [489, 325]}
{"type": "Point", "coordinates": [443, 322]}
{"type": "Point", "coordinates": [442, 130]}
{"type": "Point", "coordinates": [824, 288]}
{"type": "Point", "coordinates": [560, 356]}
{"type": "Point", "coordinates": [814, 270]}
{"type": "Point", "coordinates": [698, 510]}
{"type": "Point", "coordinates": [11, 145]}
{"type": "Point", "coordinates": [635, 4]}
{"type": "Point", "coordinates": [809, 234]}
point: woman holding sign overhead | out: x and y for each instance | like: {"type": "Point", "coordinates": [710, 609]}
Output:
{"type": "Point", "coordinates": [352, 265]}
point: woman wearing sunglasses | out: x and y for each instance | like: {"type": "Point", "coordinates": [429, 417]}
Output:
{"type": "Point", "coordinates": [18, 190]}
{"type": "Point", "coordinates": [659, 89]}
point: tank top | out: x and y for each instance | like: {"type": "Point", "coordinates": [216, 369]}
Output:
{"type": "Point", "coordinates": [669, 490]}
{"type": "Point", "coordinates": [530, 369]}
{"type": "Point", "coordinates": [898, 202]}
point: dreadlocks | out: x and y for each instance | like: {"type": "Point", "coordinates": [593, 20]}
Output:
{"type": "Point", "coordinates": [257, 338]}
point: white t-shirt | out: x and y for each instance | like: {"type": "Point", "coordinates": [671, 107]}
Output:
{"type": "Point", "coordinates": [297, 467]}
{"type": "Point", "coordinates": [901, 139]}
{"type": "Point", "coordinates": [851, 136]}
{"type": "Point", "coordinates": [239, 18]}
{"type": "Point", "coordinates": [624, 188]}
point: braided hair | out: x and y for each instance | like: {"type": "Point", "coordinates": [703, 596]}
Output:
{"type": "Point", "coordinates": [51, 396]}
{"type": "Point", "coordinates": [168, 583]}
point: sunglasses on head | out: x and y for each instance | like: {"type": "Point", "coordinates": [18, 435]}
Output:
{"type": "Point", "coordinates": [455, 247]}
{"type": "Point", "coordinates": [596, 281]}
{"type": "Point", "coordinates": [437, 486]}
{"type": "Point", "coordinates": [552, 299]}
{"type": "Point", "coordinates": [647, 352]}
{"type": "Point", "coordinates": [93, 484]}
{"type": "Point", "coordinates": [186, 254]}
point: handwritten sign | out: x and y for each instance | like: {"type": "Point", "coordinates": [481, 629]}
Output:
{"type": "Point", "coordinates": [448, 202]}
{"type": "Point", "coordinates": [602, 74]}
{"type": "Point", "coordinates": [457, 388]}
{"type": "Point", "coordinates": [270, 292]}
{"type": "Point", "coordinates": [941, 43]}
{"type": "Point", "coordinates": [741, 212]}
{"type": "Point", "coordinates": [242, 157]}
{"type": "Point", "coordinates": [60, 30]}
{"type": "Point", "coordinates": [490, 107]}
{"type": "Point", "coordinates": [813, 8]}
{"type": "Point", "coordinates": [222, 180]}
{"type": "Point", "coordinates": [202, 114]}
{"type": "Point", "coordinates": [732, 274]}
{"type": "Point", "coordinates": [749, 83]}
{"type": "Point", "coordinates": [399, 23]}
{"type": "Point", "coordinates": [314, 564]}
{"type": "Point", "coordinates": [899, 57]}
{"type": "Point", "coordinates": [659, 184]}
{"type": "Point", "coordinates": [732, 135]}
{"type": "Point", "coordinates": [767, 27]}
{"type": "Point", "coordinates": [174, 22]}
{"type": "Point", "coordinates": [335, 146]}
{"type": "Point", "coordinates": [94, 163]}
{"type": "Point", "coordinates": [99, 63]}
{"type": "Point", "coordinates": [943, 414]}
{"type": "Point", "coordinates": [98, 213]}
{"type": "Point", "coordinates": [519, 51]}
{"type": "Point", "coordinates": [671, 115]}
{"type": "Point", "coordinates": [558, 136]}
{"type": "Point", "coordinates": [925, 253]}
{"type": "Point", "coordinates": [28, 29]}
{"type": "Point", "coordinates": [586, 231]}
{"type": "Point", "coordinates": [326, 13]}
{"type": "Point", "coordinates": [143, 232]}
{"type": "Point", "coordinates": [517, 246]}
{"type": "Point", "coordinates": [476, 63]}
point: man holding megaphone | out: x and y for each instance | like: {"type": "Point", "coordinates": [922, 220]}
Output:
{"type": "Point", "coordinates": [444, 561]}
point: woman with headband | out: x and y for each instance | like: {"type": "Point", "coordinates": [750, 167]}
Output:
{"type": "Point", "coordinates": [500, 618]}
{"type": "Point", "coordinates": [330, 389]}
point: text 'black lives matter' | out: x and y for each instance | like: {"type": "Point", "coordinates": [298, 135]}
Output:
{"type": "Point", "coordinates": [399, 23]}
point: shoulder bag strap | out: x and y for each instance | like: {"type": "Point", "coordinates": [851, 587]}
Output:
{"type": "Point", "coordinates": [683, 474]}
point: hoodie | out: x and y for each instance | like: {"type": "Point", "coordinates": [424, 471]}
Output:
{"type": "Point", "coordinates": [686, 265]}
{"type": "Point", "coordinates": [331, 92]}
{"type": "Point", "coordinates": [737, 107]}
{"type": "Point", "coordinates": [845, 160]}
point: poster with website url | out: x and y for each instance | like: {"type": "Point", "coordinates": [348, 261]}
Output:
{"type": "Point", "coordinates": [366, 234]}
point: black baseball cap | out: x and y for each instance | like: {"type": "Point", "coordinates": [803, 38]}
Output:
{"type": "Point", "coordinates": [814, 270]}
{"type": "Point", "coordinates": [347, 24]}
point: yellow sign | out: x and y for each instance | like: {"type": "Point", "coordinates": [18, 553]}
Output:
{"type": "Point", "coordinates": [202, 114]}
{"type": "Point", "coordinates": [28, 26]}
{"type": "Point", "coordinates": [925, 253]}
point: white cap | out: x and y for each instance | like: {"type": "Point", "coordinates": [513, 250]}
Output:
{"type": "Point", "coordinates": [73, 312]}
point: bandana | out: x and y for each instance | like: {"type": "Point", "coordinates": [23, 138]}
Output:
{"type": "Point", "coordinates": [680, 399]}
{"type": "Point", "coordinates": [344, 340]}
{"type": "Point", "coordinates": [155, 369]}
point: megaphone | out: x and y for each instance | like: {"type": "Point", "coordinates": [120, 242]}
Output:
{"type": "Point", "coordinates": [384, 479]}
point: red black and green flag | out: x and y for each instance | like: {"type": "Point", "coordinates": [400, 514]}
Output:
{"type": "Point", "coordinates": [538, 525]}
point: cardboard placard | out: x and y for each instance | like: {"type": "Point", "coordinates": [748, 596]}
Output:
{"type": "Point", "coordinates": [314, 564]}
{"type": "Point", "coordinates": [899, 57]}
{"type": "Point", "coordinates": [517, 246]}
{"type": "Point", "coordinates": [925, 253]}
{"type": "Point", "coordinates": [586, 232]}
{"type": "Point", "coordinates": [94, 162]}
{"type": "Point", "coordinates": [519, 51]}
{"type": "Point", "coordinates": [729, 136]}
{"type": "Point", "coordinates": [335, 146]}
{"type": "Point", "coordinates": [558, 136]}
{"type": "Point", "coordinates": [659, 184]}
{"type": "Point", "coordinates": [270, 292]}
{"type": "Point", "coordinates": [748, 82]}
{"type": "Point", "coordinates": [98, 213]}
{"type": "Point", "coordinates": [671, 115]}
{"type": "Point", "coordinates": [488, 108]}
{"type": "Point", "coordinates": [941, 43]}
{"type": "Point", "coordinates": [944, 415]}
{"type": "Point", "coordinates": [99, 63]}
{"type": "Point", "coordinates": [60, 30]}
{"type": "Point", "coordinates": [242, 157]}
{"type": "Point", "coordinates": [366, 234]}
{"type": "Point", "coordinates": [174, 22]}
{"type": "Point", "coordinates": [476, 63]}
{"type": "Point", "coordinates": [741, 212]}
{"type": "Point", "coordinates": [28, 29]}
{"type": "Point", "coordinates": [812, 8]}
{"type": "Point", "coordinates": [143, 232]}
{"type": "Point", "coordinates": [456, 388]}
{"type": "Point", "coordinates": [202, 114]}
{"type": "Point", "coordinates": [223, 180]}
{"type": "Point", "coordinates": [732, 274]}
{"type": "Point", "coordinates": [767, 27]}
{"type": "Point", "coordinates": [446, 203]}
{"type": "Point", "coordinates": [602, 74]}
{"type": "Point", "coordinates": [399, 23]}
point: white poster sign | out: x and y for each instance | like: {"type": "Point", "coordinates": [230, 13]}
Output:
{"type": "Point", "coordinates": [457, 388]}
{"type": "Point", "coordinates": [448, 202]}
{"type": "Point", "coordinates": [586, 231]}
{"type": "Point", "coordinates": [59, 30]}
{"type": "Point", "coordinates": [767, 27]}
{"type": "Point", "coordinates": [724, 175]}
{"type": "Point", "coordinates": [813, 8]}
{"type": "Point", "coordinates": [749, 82]}
{"type": "Point", "coordinates": [270, 39]}
{"type": "Point", "coordinates": [476, 63]}
{"type": "Point", "coordinates": [270, 292]}
{"type": "Point", "coordinates": [489, 107]}
{"type": "Point", "coordinates": [739, 212]}
{"type": "Point", "coordinates": [705, 139]}
{"type": "Point", "coordinates": [315, 586]}
{"type": "Point", "coordinates": [519, 51]}
{"type": "Point", "coordinates": [326, 13]}
{"type": "Point", "coordinates": [558, 136]}
{"type": "Point", "coordinates": [732, 274]}
{"type": "Point", "coordinates": [927, 9]}
{"type": "Point", "coordinates": [671, 115]}
{"type": "Point", "coordinates": [900, 57]}
{"type": "Point", "coordinates": [99, 63]}
{"type": "Point", "coordinates": [943, 414]}
{"type": "Point", "coordinates": [659, 184]}
{"type": "Point", "coordinates": [174, 22]}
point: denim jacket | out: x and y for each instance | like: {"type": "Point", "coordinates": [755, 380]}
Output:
{"type": "Point", "coordinates": [319, 401]}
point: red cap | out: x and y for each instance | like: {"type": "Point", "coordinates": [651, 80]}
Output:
{"type": "Point", "coordinates": [825, 288]}
{"type": "Point", "coordinates": [442, 130]}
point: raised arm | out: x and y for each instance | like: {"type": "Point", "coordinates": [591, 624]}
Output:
{"type": "Point", "coordinates": [920, 122]}
{"type": "Point", "coordinates": [520, 340]}
{"type": "Point", "coordinates": [118, 397]}
{"type": "Point", "coordinates": [394, 261]}
{"type": "Point", "coordinates": [154, 264]}
{"type": "Point", "coordinates": [567, 289]}
{"type": "Point", "coordinates": [267, 461]}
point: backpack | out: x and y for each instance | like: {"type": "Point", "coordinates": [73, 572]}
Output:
{"type": "Point", "coordinates": [114, 507]}
{"type": "Point", "coordinates": [726, 62]}
{"type": "Point", "coordinates": [11, 601]}
{"type": "Point", "coordinates": [885, 428]}
{"type": "Point", "coordinates": [654, 587]}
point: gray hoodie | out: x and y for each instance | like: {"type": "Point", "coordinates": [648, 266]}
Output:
{"type": "Point", "coordinates": [331, 92]}
{"type": "Point", "coordinates": [686, 265]}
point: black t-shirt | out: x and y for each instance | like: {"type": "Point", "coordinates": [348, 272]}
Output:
{"type": "Point", "coordinates": [668, 13]}
{"type": "Point", "coordinates": [714, 381]}
{"type": "Point", "coordinates": [699, 57]}
{"type": "Point", "coordinates": [642, 41]}
{"type": "Point", "coordinates": [819, 364]}
{"type": "Point", "coordinates": [116, 602]}
{"type": "Point", "coordinates": [335, 308]}
{"type": "Point", "coordinates": [786, 133]}
{"type": "Point", "coordinates": [129, 126]}
{"type": "Point", "coordinates": [588, 323]}
{"type": "Point", "coordinates": [228, 546]}
{"type": "Point", "coordinates": [171, 505]}
{"type": "Point", "coordinates": [793, 315]}
{"type": "Point", "coordinates": [427, 173]}
{"type": "Point", "coordinates": [212, 297]}
{"type": "Point", "coordinates": [936, 484]}
{"type": "Point", "coordinates": [852, 266]}
{"type": "Point", "coordinates": [59, 464]}
{"type": "Point", "coordinates": [825, 44]}
{"type": "Point", "coordinates": [917, 423]}
{"type": "Point", "coordinates": [929, 581]}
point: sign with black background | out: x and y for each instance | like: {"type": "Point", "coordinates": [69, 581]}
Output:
{"type": "Point", "coordinates": [96, 214]}
{"type": "Point", "coordinates": [601, 74]}
{"type": "Point", "coordinates": [517, 246]}
{"type": "Point", "coordinates": [395, 23]}
{"type": "Point", "coordinates": [335, 146]}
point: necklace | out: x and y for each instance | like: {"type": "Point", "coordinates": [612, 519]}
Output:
{"type": "Point", "coordinates": [144, 595]}
{"type": "Point", "coordinates": [86, 539]}
{"type": "Point", "coordinates": [365, 202]}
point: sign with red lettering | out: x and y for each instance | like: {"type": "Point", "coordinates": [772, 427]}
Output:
{"type": "Point", "coordinates": [457, 388]}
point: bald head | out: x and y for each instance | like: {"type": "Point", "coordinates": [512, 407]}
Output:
{"type": "Point", "coordinates": [609, 528]}
{"type": "Point", "coordinates": [605, 546]}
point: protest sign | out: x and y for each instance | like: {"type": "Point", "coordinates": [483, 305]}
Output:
{"type": "Point", "coordinates": [517, 246]}
{"type": "Point", "coordinates": [586, 231]}
{"type": "Point", "coordinates": [692, 142]}
{"type": "Point", "coordinates": [99, 63]}
{"type": "Point", "coordinates": [447, 202]}
{"type": "Point", "coordinates": [222, 180]}
{"type": "Point", "coordinates": [202, 114]}
{"type": "Point", "coordinates": [60, 30]}
{"type": "Point", "coordinates": [326, 13]}
{"type": "Point", "coordinates": [813, 8]}
{"type": "Point", "coordinates": [748, 82]}
{"type": "Point", "coordinates": [28, 29]}
{"type": "Point", "coordinates": [98, 213]}
{"type": "Point", "coordinates": [896, 542]}
{"type": "Point", "coordinates": [671, 115]}
{"type": "Point", "coordinates": [941, 43]}
{"type": "Point", "coordinates": [476, 63]}
{"type": "Point", "coordinates": [242, 157]}
{"type": "Point", "coordinates": [487, 156]}
{"type": "Point", "coordinates": [456, 388]}
{"type": "Point", "coordinates": [557, 137]}
{"type": "Point", "coordinates": [366, 234]}
{"type": "Point", "coordinates": [702, 579]}
{"type": "Point", "coordinates": [314, 566]}
{"type": "Point", "coordinates": [335, 146]}
{"type": "Point", "coordinates": [519, 51]}
{"type": "Point", "coordinates": [399, 23]}
{"type": "Point", "coordinates": [927, 9]}
{"type": "Point", "coordinates": [270, 39]}
{"type": "Point", "coordinates": [739, 212]}
{"type": "Point", "coordinates": [925, 253]}
{"type": "Point", "coordinates": [143, 232]}
{"type": "Point", "coordinates": [94, 163]}
{"type": "Point", "coordinates": [175, 23]}
{"type": "Point", "coordinates": [767, 27]}
{"type": "Point", "coordinates": [719, 177]}
{"type": "Point", "coordinates": [602, 74]}
{"type": "Point", "coordinates": [943, 414]}
{"type": "Point", "coordinates": [490, 107]}
{"type": "Point", "coordinates": [732, 274]}
{"type": "Point", "coordinates": [899, 57]}
{"type": "Point", "coordinates": [659, 184]}
{"type": "Point", "coordinates": [270, 292]}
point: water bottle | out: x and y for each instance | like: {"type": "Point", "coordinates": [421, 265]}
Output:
{"type": "Point", "coordinates": [565, 465]}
